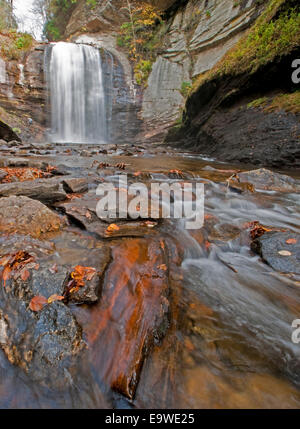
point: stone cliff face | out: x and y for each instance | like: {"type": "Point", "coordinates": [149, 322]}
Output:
{"type": "Point", "coordinates": [23, 95]}
{"type": "Point", "coordinates": [248, 110]}
{"type": "Point", "coordinates": [197, 36]}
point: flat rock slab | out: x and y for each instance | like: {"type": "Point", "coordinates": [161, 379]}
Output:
{"type": "Point", "coordinates": [83, 212]}
{"type": "Point", "coordinates": [265, 180]}
{"type": "Point", "coordinates": [44, 190]}
{"type": "Point", "coordinates": [26, 216]}
{"type": "Point", "coordinates": [132, 314]}
{"type": "Point", "coordinates": [75, 185]}
{"type": "Point", "coordinates": [275, 250]}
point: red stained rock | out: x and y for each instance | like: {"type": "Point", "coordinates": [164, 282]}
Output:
{"type": "Point", "coordinates": [132, 314]}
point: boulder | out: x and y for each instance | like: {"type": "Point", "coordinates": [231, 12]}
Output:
{"type": "Point", "coordinates": [280, 250]}
{"type": "Point", "coordinates": [24, 215]}
{"type": "Point", "coordinates": [45, 345]}
{"type": "Point", "coordinates": [7, 134]}
{"type": "Point", "coordinates": [264, 179]}
{"type": "Point", "coordinates": [75, 185]}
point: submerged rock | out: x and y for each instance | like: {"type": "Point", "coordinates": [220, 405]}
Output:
{"type": "Point", "coordinates": [280, 250]}
{"type": "Point", "coordinates": [26, 216]}
{"type": "Point", "coordinates": [132, 315]}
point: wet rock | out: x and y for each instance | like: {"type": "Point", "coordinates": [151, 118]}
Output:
{"type": "Point", "coordinates": [3, 174]}
{"type": "Point", "coordinates": [280, 250]}
{"type": "Point", "coordinates": [75, 185]}
{"type": "Point", "coordinates": [91, 291]}
{"type": "Point", "coordinates": [24, 215]}
{"type": "Point", "coordinates": [82, 211]}
{"type": "Point", "coordinates": [6, 133]}
{"type": "Point", "coordinates": [45, 344]}
{"type": "Point", "coordinates": [265, 180]}
{"type": "Point", "coordinates": [57, 337]}
{"type": "Point", "coordinates": [224, 232]}
{"type": "Point", "coordinates": [85, 153]}
{"type": "Point", "coordinates": [45, 190]}
{"type": "Point", "coordinates": [132, 314]}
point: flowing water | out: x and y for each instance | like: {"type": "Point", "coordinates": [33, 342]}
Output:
{"type": "Point", "coordinates": [2, 72]}
{"type": "Point", "coordinates": [229, 340]}
{"type": "Point", "coordinates": [77, 97]}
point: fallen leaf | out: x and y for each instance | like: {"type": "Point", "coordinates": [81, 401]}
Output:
{"type": "Point", "coordinates": [55, 297]}
{"type": "Point", "coordinates": [112, 227]}
{"type": "Point", "coordinates": [291, 241]}
{"type": "Point", "coordinates": [88, 215]}
{"type": "Point", "coordinates": [207, 245]}
{"type": "Point", "coordinates": [37, 303]}
{"type": "Point", "coordinates": [25, 275]}
{"type": "Point", "coordinates": [163, 267]}
{"type": "Point", "coordinates": [53, 269]}
{"type": "Point", "coordinates": [6, 274]}
{"type": "Point", "coordinates": [284, 253]}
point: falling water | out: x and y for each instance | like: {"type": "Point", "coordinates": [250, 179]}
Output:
{"type": "Point", "coordinates": [78, 111]}
{"type": "Point", "coordinates": [2, 71]}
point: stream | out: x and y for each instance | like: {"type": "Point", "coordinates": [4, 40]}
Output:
{"type": "Point", "coordinates": [227, 339]}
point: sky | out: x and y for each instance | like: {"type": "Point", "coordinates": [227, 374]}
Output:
{"type": "Point", "coordinates": [27, 21]}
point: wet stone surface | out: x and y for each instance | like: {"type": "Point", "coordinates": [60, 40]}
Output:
{"type": "Point", "coordinates": [280, 250]}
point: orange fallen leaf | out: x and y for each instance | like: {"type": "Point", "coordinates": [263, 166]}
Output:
{"type": "Point", "coordinates": [207, 245]}
{"type": "Point", "coordinates": [163, 267]}
{"type": "Point", "coordinates": [54, 298]}
{"type": "Point", "coordinates": [291, 241]}
{"type": "Point", "coordinates": [37, 303]}
{"type": "Point", "coordinates": [112, 227]}
{"type": "Point", "coordinates": [88, 215]}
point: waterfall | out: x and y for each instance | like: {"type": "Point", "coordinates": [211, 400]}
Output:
{"type": "Point", "coordinates": [2, 71]}
{"type": "Point", "coordinates": [77, 97]}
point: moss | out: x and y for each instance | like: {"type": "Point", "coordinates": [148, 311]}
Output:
{"type": "Point", "coordinates": [259, 102]}
{"type": "Point", "coordinates": [185, 89]}
{"type": "Point", "coordinates": [286, 102]}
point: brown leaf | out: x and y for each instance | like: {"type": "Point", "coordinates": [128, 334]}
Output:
{"type": "Point", "coordinates": [291, 241]}
{"type": "Point", "coordinates": [6, 274]}
{"type": "Point", "coordinates": [88, 215]}
{"type": "Point", "coordinates": [37, 303]}
{"type": "Point", "coordinates": [25, 275]}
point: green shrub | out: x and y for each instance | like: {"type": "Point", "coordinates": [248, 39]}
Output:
{"type": "Point", "coordinates": [185, 89]}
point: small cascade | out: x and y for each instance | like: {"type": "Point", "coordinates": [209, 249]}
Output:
{"type": "Point", "coordinates": [22, 75]}
{"type": "Point", "coordinates": [77, 96]}
{"type": "Point", "coordinates": [3, 79]}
